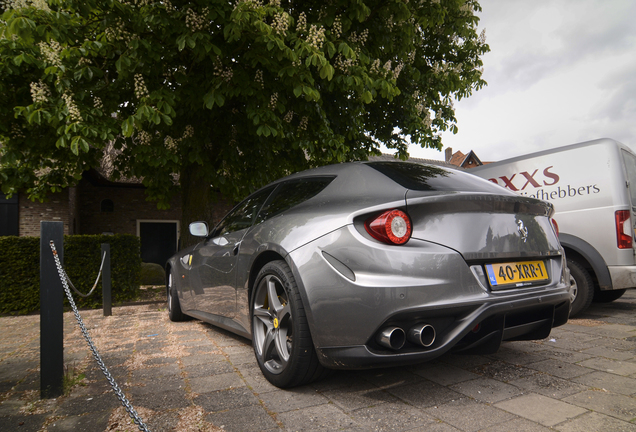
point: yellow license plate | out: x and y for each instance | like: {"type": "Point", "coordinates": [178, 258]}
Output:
{"type": "Point", "coordinates": [516, 273]}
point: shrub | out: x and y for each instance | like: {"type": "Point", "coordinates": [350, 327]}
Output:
{"type": "Point", "coordinates": [20, 270]}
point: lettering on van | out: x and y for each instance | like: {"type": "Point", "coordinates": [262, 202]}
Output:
{"type": "Point", "coordinates": [520, 182]}
{"type": "Point", "coordinates": [547, 178]}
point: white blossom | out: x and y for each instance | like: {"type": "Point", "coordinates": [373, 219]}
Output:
{"type": "Point", "coordinates": [273, 100]}
{"type": "Point", "coordinates": [40, 92]}
{"type": "Point", "coordinates": [141, 91]}
{"type": "Point", "coordinates": [281, 22]}
{"type": "Point", "coordinates": [51, 52]}
{"type": "Point", "coordinates": [73, 111]}
{"type": "Point", "coordinates": [316, 37]}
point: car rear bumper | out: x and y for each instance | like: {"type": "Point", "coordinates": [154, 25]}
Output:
{"type": "Point", "coordinates": [622, 276]}
{"type": "Point", "coordinates": [472, 330]}
{"type": "Point", "coordinates": [352, 289]}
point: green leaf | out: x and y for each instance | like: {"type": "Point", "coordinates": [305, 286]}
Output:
{"type": "Point", "coordinates": [367, 97]}
{"type": "Point", "coordinates": [181, 43]}
{"type": "Point", "coordinates": [128, 127]}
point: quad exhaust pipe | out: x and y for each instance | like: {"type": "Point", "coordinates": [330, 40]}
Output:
{"type": "Point", "coordinates": [394, 337]}
{"type": "Point", "coordinates": [422, 334]}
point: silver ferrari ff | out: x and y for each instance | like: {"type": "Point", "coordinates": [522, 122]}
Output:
{"type": "Point", "coordinates": [371, 264]}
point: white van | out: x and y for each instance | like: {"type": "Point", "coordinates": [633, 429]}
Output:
{"type": "Point", "coordinates": [593, 188]}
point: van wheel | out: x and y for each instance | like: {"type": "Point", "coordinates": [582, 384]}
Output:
{"type": "Point", "coordinates": [608, 296]}
{"type": "Point", "coordinates": [584, 287]}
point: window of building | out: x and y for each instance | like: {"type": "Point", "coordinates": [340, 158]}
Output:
{"type": "Point", "coordinates": [107, 206]}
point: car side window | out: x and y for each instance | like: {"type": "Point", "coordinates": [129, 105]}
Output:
{"type": "Point", "coordinates": [292, 193]}
{"type": "Point", "coordinates": [243, 214]}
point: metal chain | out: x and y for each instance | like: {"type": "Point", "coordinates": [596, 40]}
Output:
{"type": "Point", "coordinates": [120, 395]}
{"type": "Point", "coordinates": [99, 274]}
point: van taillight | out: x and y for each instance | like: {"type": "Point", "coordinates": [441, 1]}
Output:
{"type": "Point", "coordinates": [623, 229]}
{"type": "Point", "coordinates": [555, 225]}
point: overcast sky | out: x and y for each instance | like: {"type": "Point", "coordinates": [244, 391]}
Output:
{"type": "Point", "coordinates": [559, 72]}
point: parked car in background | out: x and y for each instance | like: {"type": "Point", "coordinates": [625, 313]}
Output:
{"type": "Point", "coordinates": [374, 264]}
{"type": "Point", "coordinates": [593, 188]}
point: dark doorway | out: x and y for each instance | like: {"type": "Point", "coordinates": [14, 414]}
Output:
{"type": "Point", "coordinates": [158, 241]}
{"type": "Point", "coordinates": [9, 225]}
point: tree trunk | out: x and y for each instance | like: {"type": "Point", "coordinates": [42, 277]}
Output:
{"type": "Point", "coordinates": [196, 202]}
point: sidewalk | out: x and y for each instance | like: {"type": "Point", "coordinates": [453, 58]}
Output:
{"type": "Point", "coordinates": [194, 377]}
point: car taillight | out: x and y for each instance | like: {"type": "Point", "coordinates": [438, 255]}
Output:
{"type": "Point", "coordinates": [623, 229]}
{"type": "Point", "coordinates": [555, 225]}
{"type": "Point", "coordinates": [392, 227]}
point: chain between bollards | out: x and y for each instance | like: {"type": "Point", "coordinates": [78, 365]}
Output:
{"type": "Point", "coordinates": [120, 395]}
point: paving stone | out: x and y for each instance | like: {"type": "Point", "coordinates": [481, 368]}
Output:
{"type": "Point", "coordinates": [541, 409]}
{"type": "Point", "coordinates": [389, 377]}
{"type": "Point", "coordinates": [94, 421]}
{"type": "Point", "coordinates": [158, 385]}
{"type": "Point", "coordinates": [474, 415]}
{"type": "Point", "coordinates": [502, 371]}
{"type": "Point", "coordinates": [566, 355]}
{"type": "Point", "coordinates": [559, 368]}
{"type": "Point", "coordinates": [151, 374]}
{"type": "Point", "coordinates": [435, 427]}
{"type": "Point", "coordinates": [226, 399]}
{"type": "Point", "coordinates": [608, 381]}
{"type": "Point", "coordinates": [162, 421]}
{"type": "Point", "coordinates": [320, 418]}
{"type": "Point", "coordinates": [424, 394]}
{"type": "Point", "coordinates": [255, 380]}
{"type": "Point", "coordinates": [202, 359]}
{"type": "Point", "coordinates": [464, 361]}
{"type": "Point", "coordinates": [611, 404]}
{"type": "Point", "coordinates": [612, 366]}
{"type": "Point", "coordinates": [549, 385]}
{"type": "Point", "coordinates": [514, 355]}
{"type": "Point", "coordinates": [358, 395]}
{"type": "Point", "coordinates": [88, 404]}
{"type": "Point", "coordinates": [596, 422]}
{"type": "Point", "coordinates": [573, 341]}
{"type": "Point", "coordinates": [391, 417]}
{"type": "Point", "coordinates": [161, 401]}
{"type": "Point", "coordinates": [216, 382]}
{"type": "Point", "coordinates": [517, 424]}
{"type": "Point", "coordinates": [486, 390]}
{"type": "Point", "coordinates": [608, 352]}
{"type": "Point", "coordinates": [207, 369]}
{"type": "Point", "coordinates": [617, 331]}
{"type": "Point", "coordinates": [22, 422]}
{"type": "Point", "coordinates": [444, 374]}
{"type": "Point", "coordinates": [252, 418]}
{"type": "Point", "coordinates": [280, 401]}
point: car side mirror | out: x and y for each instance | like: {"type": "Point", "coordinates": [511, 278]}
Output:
{"type": "Point", "coordinates": [199, 229]}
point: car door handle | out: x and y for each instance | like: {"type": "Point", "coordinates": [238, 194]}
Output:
{"type": "Point", "coordinates": [236, 248]}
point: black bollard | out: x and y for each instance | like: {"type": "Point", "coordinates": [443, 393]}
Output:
{"type": "Point", "coordinates": [106, 284]}
{"type": "Point", "coordinates": [51, 312]}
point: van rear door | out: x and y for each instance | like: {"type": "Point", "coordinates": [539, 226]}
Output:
{"type": "Point", "coordinates": [629, 161]}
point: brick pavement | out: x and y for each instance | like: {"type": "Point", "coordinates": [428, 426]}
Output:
{"type": "Point", "coordinates": [192, 376]}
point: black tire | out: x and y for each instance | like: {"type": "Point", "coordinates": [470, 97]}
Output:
{"type": "Point", "coordinates": [584, 287]}
{"type": "Point", "coordinates": [281, 339]}
{"type": "Point", "coordinates": [607, 296]}
{"type": "Point", "coordinates": [174, 307]}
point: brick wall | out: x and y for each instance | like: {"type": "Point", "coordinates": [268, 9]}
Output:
{"type": "Point", "coordinates": [79, 208]}
{"type": "Point", "coordinates": [129, 205]}
{"type": "Point", "coordinates": [57, 209]}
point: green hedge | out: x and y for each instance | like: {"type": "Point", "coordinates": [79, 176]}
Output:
{"type": "Point", "coordinates": [20, 270]}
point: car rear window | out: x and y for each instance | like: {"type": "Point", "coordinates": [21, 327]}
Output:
{"type": "Point", "coordinates": [292, 193]}
{"type": "Point", "coordinates": [421, 177]}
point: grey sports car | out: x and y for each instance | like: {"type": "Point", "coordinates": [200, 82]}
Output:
{"type": "Point", "coordinates": [373, 264]}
